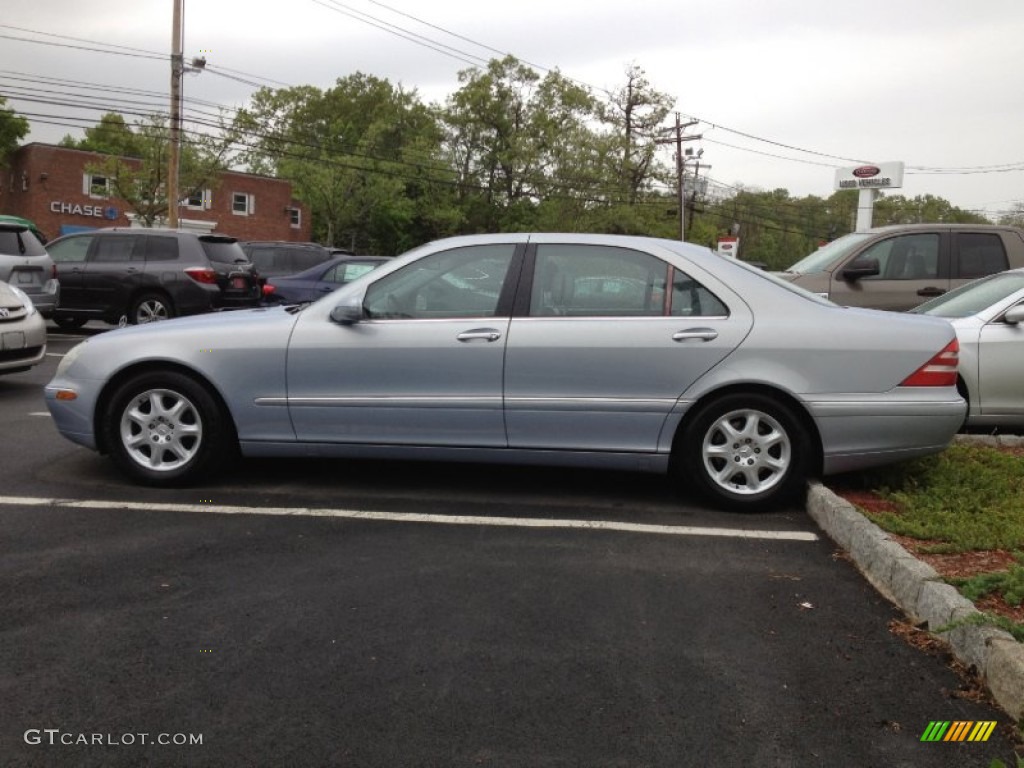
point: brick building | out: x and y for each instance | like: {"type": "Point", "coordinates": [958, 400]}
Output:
{"type": "Point", "coordinates": [53, 187]}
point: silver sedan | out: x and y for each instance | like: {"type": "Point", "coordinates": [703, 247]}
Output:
{"type": "Point", "coordinates": [556, 349]}
{"type": "Point", "coordinates": [988, 316]}
{"type": "Point", "coordinates": [22, 331]}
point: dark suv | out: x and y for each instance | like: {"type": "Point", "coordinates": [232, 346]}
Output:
{"type": "Point", "coordinates": [273, 258]}
{"type": "Point", "coordinates": [143, 275]}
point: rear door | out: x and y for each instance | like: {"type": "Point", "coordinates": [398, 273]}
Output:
{"type": "Point", "coordinates": [114, 269]}
{"type": "Point", "coordinates": [603, 343]}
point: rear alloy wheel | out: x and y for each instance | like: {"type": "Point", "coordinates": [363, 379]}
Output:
{"type": "Point", "coordinates": [747, 452]}
{"type": "Point", "coordinates": [164, 428]}
{"type": "Point", "coordinates": [149, 308]}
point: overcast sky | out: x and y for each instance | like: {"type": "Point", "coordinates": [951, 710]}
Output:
{"type": "Point", "coordinates": [786, 90]}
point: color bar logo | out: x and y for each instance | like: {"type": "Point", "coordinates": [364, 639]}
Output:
{"type": "Point", "coordinates": [958, 730]}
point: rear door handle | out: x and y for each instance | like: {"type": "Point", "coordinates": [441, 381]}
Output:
{"type": "Point", "coordinates": [695, 334]}
{"type": "Point", "coordinates": [480, 334]}
{"type": "Point", "coordinates": [930, 291]}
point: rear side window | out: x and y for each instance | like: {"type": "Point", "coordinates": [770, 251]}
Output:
{"type": "Point", "coordinates": [20, 242]}
{"type": "Point", "coordinates": [161, 248]}
{"type": "Point", "coordinates": [601, 281]}
{"type": "Point", "coordinates": [980, 254]}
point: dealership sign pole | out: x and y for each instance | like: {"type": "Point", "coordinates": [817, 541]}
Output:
{"type": "Point", "coordinates": [869, 179]}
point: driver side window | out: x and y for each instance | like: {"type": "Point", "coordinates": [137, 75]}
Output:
{"type": "Point", "coordinates": [464, 282]}
{"type": "Point", "coordinates": [906, 257]}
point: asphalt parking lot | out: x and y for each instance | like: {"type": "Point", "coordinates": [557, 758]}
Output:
{"type": "Point", "coordinates": [365, 613]}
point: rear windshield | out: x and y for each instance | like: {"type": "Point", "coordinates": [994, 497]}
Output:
{"type": "Point", "coordinates": [223, 250]}
{"type": "Point", "coordinates": [19, 241]}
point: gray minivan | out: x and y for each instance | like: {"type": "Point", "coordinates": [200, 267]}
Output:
{"type": "Point", "coordinates": [900, 266]}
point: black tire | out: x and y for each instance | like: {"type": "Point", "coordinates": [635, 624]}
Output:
{"type": "Point", "coordinates": [164, 428]}
{"type": "Point", "coordinates": [149, 308]}
{"type": "Point", "coordinates": [69, 322]}
{"type": "Point", "coordinates": [746, 452]}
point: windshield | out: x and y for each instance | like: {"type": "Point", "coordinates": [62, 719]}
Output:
{"type": "Point", "coordinates": [974, 297]}
{"type": "Point", "coordinates": [821, 259]}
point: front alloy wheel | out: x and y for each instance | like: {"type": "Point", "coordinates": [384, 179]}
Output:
{"type": "Point", "coordinates": [166, 428]}
{"type": "Point", "coordinates": [161, 430]}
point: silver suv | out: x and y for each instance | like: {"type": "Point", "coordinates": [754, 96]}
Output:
{"type": "Point", "coordinates": [900, 266]}
{"type": "Point", "coordinates": [25, 264]}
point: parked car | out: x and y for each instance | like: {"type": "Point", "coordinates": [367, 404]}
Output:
{"type": "Point", "coordinates": [312, 283]}
{"type": "Point", "coordinates": [7, 219]}
{"type": "Point", "coordinates": [899, 266]}
{"type": "Point", "coordinates": [22, 331]}
{"type": "Point", "coordinates": [988, 316]}
{"type": "Point", "coordinates": [279, 258]}
{"type": "Point", "coordinates": [25, 263]}
{"type": "Point", "coordinates": [143, 275]}
{"type": "Point", "coordinates": [480, 348]}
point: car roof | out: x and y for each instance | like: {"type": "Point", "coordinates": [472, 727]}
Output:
{"type": "Point", "coordinates": [941, 225]}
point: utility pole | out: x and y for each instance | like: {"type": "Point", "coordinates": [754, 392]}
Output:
{"type": "Point", "coordinates": [177, 67]}
{"type": "Point", "coordinates": [678, 141]}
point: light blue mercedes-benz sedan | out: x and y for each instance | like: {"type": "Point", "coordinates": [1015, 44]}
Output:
{"type": "Point", "coordinates": [557, 349]}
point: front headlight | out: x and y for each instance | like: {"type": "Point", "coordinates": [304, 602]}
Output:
{"type": "Point", "coordinates": [69, 358]}
{"type": "Point", "coordinates": [30, 308]}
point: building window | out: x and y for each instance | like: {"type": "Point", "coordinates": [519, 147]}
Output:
{"type": "Point", "coordinates": [95, 185]}
{"type": "Point", "coordinates": [199, 200]}
{"type": "Point", "coordinates": [295, 217]}
{"type": "Point", "coordinates": [243, 204]}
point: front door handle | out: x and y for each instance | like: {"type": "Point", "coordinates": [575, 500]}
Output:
{"type": "Point", "coordinates": [695, 334]}
{"type": "Point", "coordinates": [480, 334]}
{"type": "Point", "coordinates": [930, 291]}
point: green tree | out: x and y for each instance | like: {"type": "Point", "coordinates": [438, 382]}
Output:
{"type": "Point", "coordinates": [13, 128]}
{"type": "Point", "coordinates": [1014, 217]}
{"type": "Point", "coordinates": [135, 162]}
{"type": "Point", "coordinates": [364, 155]}
{"type": "Point", "coordinates": [111, 136]}
{"type": "Point", "coordinates": [520, 146]}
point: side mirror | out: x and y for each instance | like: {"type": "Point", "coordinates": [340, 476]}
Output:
{"type": "Point", "coordinates": [1014, 315]}
{"type": "Point", "coordinates": [349, 312]}
{"type": "Point", "coordinates": [858, 268]}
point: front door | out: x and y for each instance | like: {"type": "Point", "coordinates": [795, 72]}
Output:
{"type": "Point", "coordinates": [424, 366]}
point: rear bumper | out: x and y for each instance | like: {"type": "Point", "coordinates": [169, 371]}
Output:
{"type": "Point", "coordinates": [858, 432]}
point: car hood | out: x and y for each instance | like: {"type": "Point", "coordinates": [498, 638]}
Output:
{"type": "Point", "coordinates": [9, 298]}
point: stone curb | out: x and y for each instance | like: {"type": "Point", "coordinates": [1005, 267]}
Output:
{"type": "Point", "coordinates": [918, 590]}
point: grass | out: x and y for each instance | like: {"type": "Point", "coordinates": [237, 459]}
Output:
{"type": "Point", "coordinates": [970, 498]}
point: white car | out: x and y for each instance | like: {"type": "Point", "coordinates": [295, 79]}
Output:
{"type": "Point", "coordinates": [22, 331]}
{"type": "Point", "coordinates": [988, 316]}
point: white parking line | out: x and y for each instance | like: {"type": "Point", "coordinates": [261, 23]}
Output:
{"type": "Point", "coordinates": [39, 413]}
{"type": "Point", "coordinates": [415, 517]}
